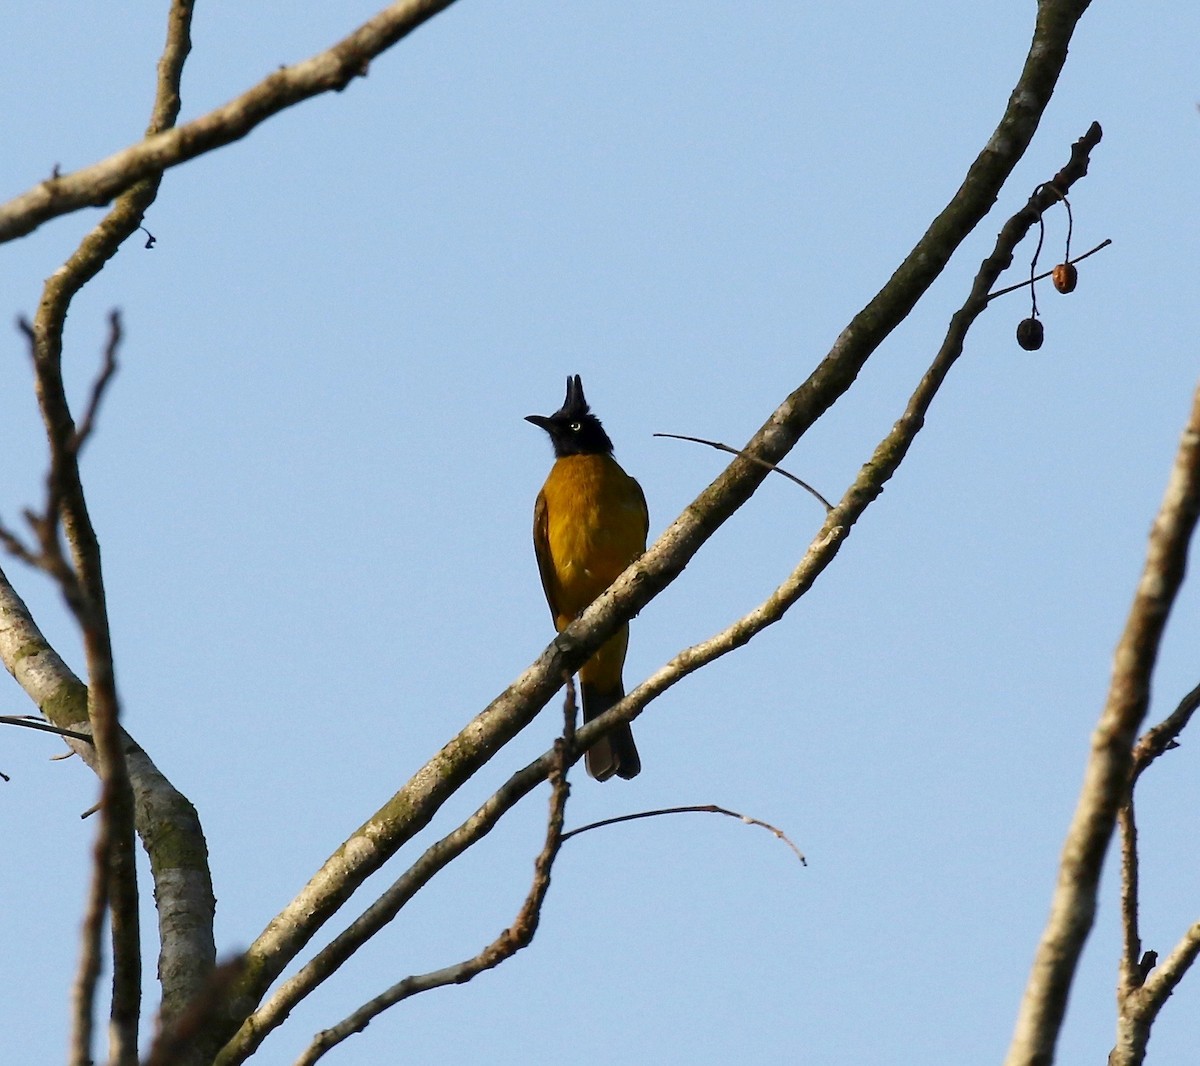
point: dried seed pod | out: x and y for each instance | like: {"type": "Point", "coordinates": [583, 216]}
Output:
{"type": "Point", "coordinates": [1065, 277]}
{"type": "Point", "coordinates": [1030, 334]}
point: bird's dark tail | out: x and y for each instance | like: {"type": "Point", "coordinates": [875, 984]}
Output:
{"type": "Point", "coordinates": [615, 753]}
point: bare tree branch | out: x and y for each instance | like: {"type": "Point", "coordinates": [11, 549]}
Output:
{"type": "Point", "coordinates": [108, 367]}
{"type": "Point", "coordinates": [166, 821]}
{"type": "Point", "coordinates": [114, 878]}
{"type": "Point", "coordinates": [1136, 1007]}
{"type": "Point", "coordinates": [1140, 1007]}
{"type": "Point", "coordinates": [163, 148]}
{"type": "Point", "coordinates": [87, 970]}
{"type": "Point", "coordinates": [1108, 771]}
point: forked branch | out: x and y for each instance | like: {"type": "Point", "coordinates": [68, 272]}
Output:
{"type": "Point", "coordinates": [1110, 765]}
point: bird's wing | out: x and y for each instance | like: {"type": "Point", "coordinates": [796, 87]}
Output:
{"type": "Point", "coordinates": [645, 513]}
{"type": "Point", "coordinates": [541, 548]}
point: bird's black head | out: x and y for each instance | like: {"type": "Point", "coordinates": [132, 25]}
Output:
{"type": "Point", "coordinates": [573, 429]}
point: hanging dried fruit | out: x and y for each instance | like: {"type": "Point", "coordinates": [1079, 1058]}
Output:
{"type": "Point", "coordinates": [1065, 277]}
{"type": "Point", "coordinates": [1030, 334]}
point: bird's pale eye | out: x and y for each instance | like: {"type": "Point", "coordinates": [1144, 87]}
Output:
{"type": "Point", "coordinates": [575, 427]}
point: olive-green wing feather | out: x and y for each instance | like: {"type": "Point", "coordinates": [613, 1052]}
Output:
{"type": "Point", "coordinates": [541, 549]}
{"type": "Point", "coordinates": [645, 511]}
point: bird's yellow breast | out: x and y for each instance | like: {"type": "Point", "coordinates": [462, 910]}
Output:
{"type": "Point", "coordinates": [596, 524]}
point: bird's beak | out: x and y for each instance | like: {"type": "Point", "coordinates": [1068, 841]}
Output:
{"type": "Point", "coordinates": [540, 421]}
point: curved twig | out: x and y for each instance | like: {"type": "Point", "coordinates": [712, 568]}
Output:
{"type": "Point", "coordinates": [704, 808]}
{"type": "Point", "coordinates": [754, 459]}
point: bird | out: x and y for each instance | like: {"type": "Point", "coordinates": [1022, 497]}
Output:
{"type": "Point", "coordinates": [589, 523]}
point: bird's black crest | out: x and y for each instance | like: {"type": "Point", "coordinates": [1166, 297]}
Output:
{"type": "Point", "coordinates": [575, 404]}
{"type": "Point", "coordinates": [573, 429]}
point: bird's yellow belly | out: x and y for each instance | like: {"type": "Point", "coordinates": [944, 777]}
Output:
{"type": "Point", "coordinates": [594, 533]}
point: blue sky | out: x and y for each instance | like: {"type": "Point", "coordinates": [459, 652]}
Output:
{"type": "Point", "coordinates": [314, 489]}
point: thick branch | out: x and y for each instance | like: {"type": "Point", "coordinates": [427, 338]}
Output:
{"type": "Point", "coordinates": [165, 820]}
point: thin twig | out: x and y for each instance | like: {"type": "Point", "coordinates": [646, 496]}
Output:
{"type": "Point", "coordinates": [1129, 968]}
{"type": "Point", "coordinates": [108, 367]}
{"type": "Point", "coordinates": [87, 970]}
{"type": "Point", "coordinates": [29, 722]}
{"type": "Point", "coordinates": [17, 548]}
{"type": "Point", "coordinates": [707, 808]}
{"type": "Point", "coordinates": [1041, 222]}
{"type": "Point", "coordinates": [1029, 281]}
{"type": "Point", "coordinates": [754, 459]}
{"type": "Point", "coordinates": [1070, 229]}
{"type": "Point", "coordinates": [1163, 737]}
